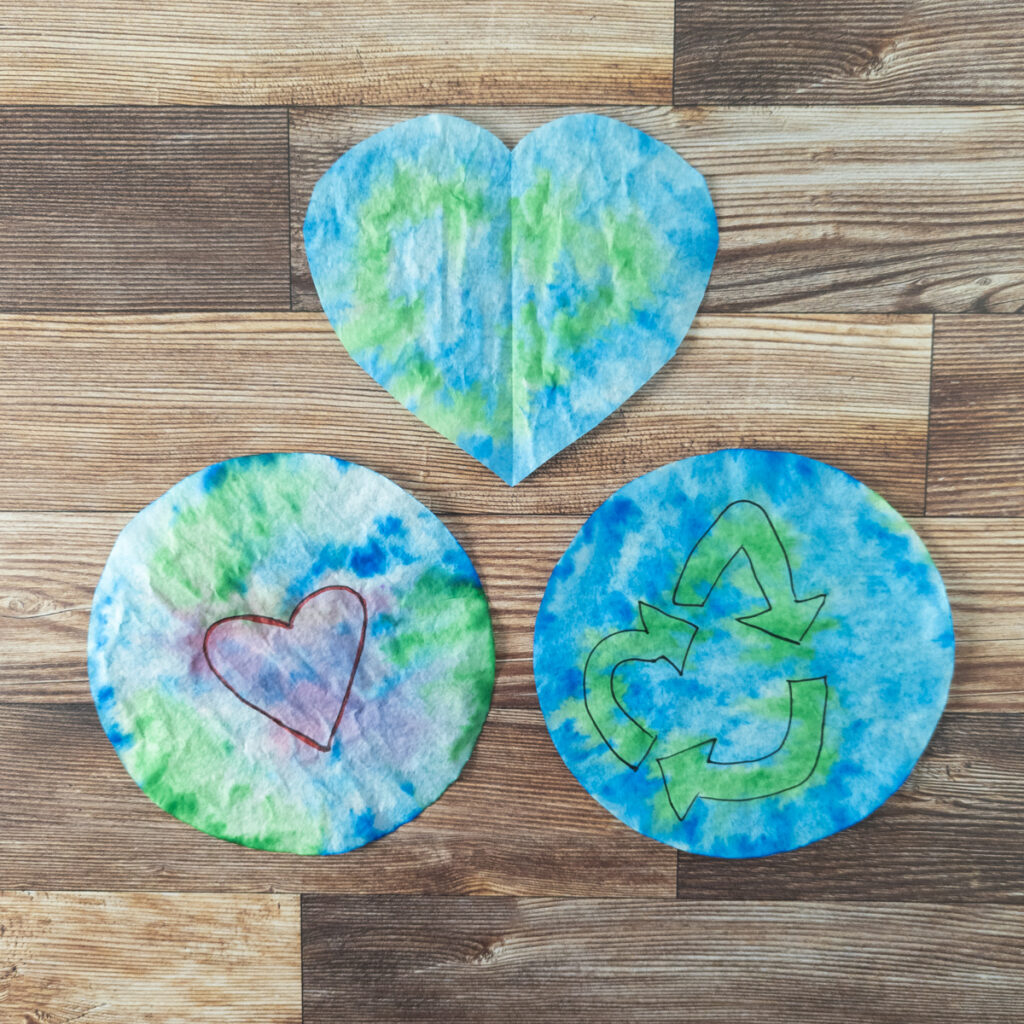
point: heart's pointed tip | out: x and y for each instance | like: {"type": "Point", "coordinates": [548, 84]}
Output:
{"type": "Point", "coordinates": [518, 475]}
{"type": "Point", "coordinates": [510, 472]}
{"type": "Point", "coordinates": [509, 477]}
{"type": "Point", "coordinates": [525, 461]}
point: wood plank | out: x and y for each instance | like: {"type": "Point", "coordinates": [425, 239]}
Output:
{"type": "Point", "coordinates": [515, 822]}
{"type": "Point", "coordinates": [953, 833]}
{"type": "Point", "coordinates": [407, 960]}
{"type": "Point", "coordinates": [49, 567]}
{"type": "Point", "coordinates": [982, 563]}
{"type": "Point", "coordinates": [976, 445]}
{"type": "Point", "coordinates": [845, 210]}
{"type": "Point", "coordinates": [50, 562]}
{"type": "Point", "coordinates": [849, 51]}
{"type": "Point", "coordinates": [336, 51]}
{"type": "Point", "coordinates": [107, 958]}
{"type": "Point", "coordinates": [106, 412]}
{"type": "Point", "coordinates": [129, 209]}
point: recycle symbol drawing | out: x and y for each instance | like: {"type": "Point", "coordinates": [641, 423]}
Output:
{"type": "Point", "coordinates": [743, 529]}
{"type": "Point", "coordinates": [742, 652]}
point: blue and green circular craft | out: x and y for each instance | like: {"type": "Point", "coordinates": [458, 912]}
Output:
{"type": "Point", "coordinates": [290, 652]}
{"type": "Point", "coordinates": [743, 652]}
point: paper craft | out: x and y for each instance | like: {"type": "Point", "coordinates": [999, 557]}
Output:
{"type": "Point", "coordinates": [290, 652]}
{"type": "Point", "coordinates": [511, 300]}
{"type": "Point", "coordinates": [743, 652]}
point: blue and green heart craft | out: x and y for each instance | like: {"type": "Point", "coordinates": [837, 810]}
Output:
{"type": "Point", "coordinates": [511, 299]}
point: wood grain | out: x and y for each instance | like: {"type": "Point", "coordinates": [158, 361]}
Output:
{"type": "Point", "coordinates": [50, 562]}
{"type": "Point", "coordinates": [976, 446]}
{"type": "Point", "coordinates": [849, 51]}
{"type": "Point", "coordinates": [335, 51]}
{"type": "Point", "coordinates": [108, 958]}
{"type": "Point", "coordinates": [953, 833]}
{"type": "Point", "coordinates": [106, 412]}
{"type": "Point", "coordinates": [130, 209]}
{"type": "Point", "coordinates": [407, 960]}
{"type": "Point", "coordinates": [828, 209]}
{"type": "Point", "coordinates": [127, 232]}
{"type": "Point", "coordinates": [515, 822]}
{"type": "Point", "coordinates": [982, 565]}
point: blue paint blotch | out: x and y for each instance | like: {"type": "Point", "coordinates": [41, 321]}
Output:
{"type": "Point", "coordinates": [884, 641]}
{"type": "Point", "coordinates": [369, 560]}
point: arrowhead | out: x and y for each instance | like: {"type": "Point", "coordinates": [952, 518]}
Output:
{"type": "Point", "coordinates": [789, 620]}
{"type": "Point", "coordinates": [671, 636]}
{"type": "Point", "coordinates": [682, 773]}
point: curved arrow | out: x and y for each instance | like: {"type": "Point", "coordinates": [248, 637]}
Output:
{"type": "Point", "coordinates": [691, 773]}
{"type": "Point", "coordinates": [661, 637]}
{"type": "Point", "coordinates": [745, 527]}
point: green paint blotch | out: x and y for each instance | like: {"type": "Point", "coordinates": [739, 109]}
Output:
{"type": "Point", "coordinates": [212, 545]}
{"type": "Point", "coordinates": [455, 621]}
{"type": "Point", "coordinates": [620, 261]}
{"type": "Point", "coordinates": [181, 761]}
{"type": "Point", "coordinates": [388, 326]}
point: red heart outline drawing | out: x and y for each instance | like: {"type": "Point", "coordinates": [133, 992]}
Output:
{"type": "Point", "coordinates": [290, 624]}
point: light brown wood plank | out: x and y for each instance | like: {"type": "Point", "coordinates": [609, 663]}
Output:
{"type": "Point", "coordinates": [336, 51]}
{"type": "Point", "coordinates": [407, 960]}
{"type": "Point", "coordinates": [106, 412]}
{"type": "Point", "coordinates": [848, 209]}
{"type": "Point", "coordinates": [989, 674]}
{"type": "Point", "coordinates": [976, 445]}
{"type": "Point", "coordinates": [142, 209]}
{"type": "Point", "coordinates": [49, 566]}
{"type": "Point", "coordinates": [849, 51]}
{"type": "Point", "coordinates": [50, 562]}
{"type": "Point", "coordinates": [982, 564]}
{"type": "Point", "coordinates": [515, 822]}
{"type": "Point", "coordinates": [108, 958]}
{"type": "Point", "coordinates": [953, 833]}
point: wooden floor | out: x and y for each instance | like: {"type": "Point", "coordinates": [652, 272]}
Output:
{"type": "Point", "coordinates": [866, 158]}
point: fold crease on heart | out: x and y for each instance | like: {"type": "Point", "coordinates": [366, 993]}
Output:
{"type": "Point", "coordinates": [511, 299]}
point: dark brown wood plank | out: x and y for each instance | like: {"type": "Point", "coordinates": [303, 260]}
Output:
{"type": "Point", "coordinates": [50, 562]}
{"type": "Point", "coordinates": [827, 209]}
{"type": "Point", "coordinates": [406, 960]}
{"type": "Point", "coordinates": [515, 822]}
{"type": "Point", "coordinates": [104, 209]}
{"type": "Point", "coordinates": [952, 834]}
{"type": "Point", "coordinates": [336, 51]}
{"type": "Point", "coordinates": [108, 958]}
{"type": "Point", "coordinates": [106, 412]}
{"type": "Point", "coordinates": [976, 443]}
{"type": "Point", "coordinates": [849, 51]}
